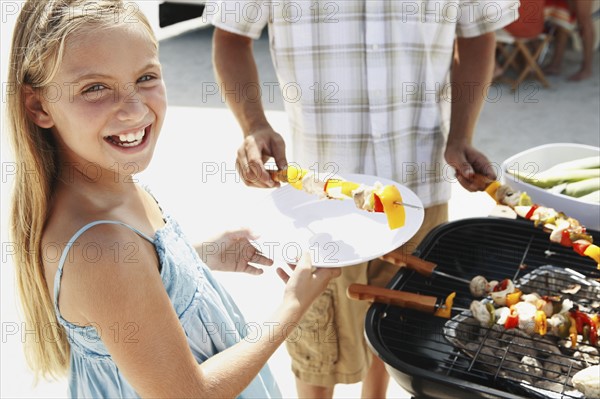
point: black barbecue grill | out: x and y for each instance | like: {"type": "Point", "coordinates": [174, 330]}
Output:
{"type": "Point", "coordinates": [416, 347]}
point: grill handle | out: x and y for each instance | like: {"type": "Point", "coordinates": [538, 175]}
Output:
{"type": "Point", "coordinates": [422, 303]}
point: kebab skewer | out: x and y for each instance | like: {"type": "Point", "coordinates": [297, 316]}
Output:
{"type": "Point", "coordinates": [439, 307]}
{"type": "Point", "coordinates": [377, 198]}
{"type": "Point", "coordinates": [536, 314]}
{"type": "Point", "coordinates": [564, 230]}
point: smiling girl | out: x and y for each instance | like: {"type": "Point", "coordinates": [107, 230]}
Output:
{"type": "Point", "coordinates": [87, 111]}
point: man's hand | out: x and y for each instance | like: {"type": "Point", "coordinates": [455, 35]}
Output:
{"type": "Point", "coordinates": [467, 161]}
{"type": "Point", "coordinates": [232, 251]}
{"type": "Point", "coordinates": [257, 148]}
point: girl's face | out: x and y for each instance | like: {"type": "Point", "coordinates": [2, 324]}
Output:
{"type": "Point", "coordinates": [107, 102]}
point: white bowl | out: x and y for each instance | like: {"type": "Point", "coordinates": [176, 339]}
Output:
{"type": "Point", "coordinates": [540, 158]}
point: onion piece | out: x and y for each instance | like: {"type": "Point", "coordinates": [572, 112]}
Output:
{"type": "Point", "coordinates": [499, 297]}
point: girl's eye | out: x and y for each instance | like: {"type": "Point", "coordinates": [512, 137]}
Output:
{"type": "Point", "coordinates": [145, 78]}
{"type": "Point", "coordinates": [94, 88]}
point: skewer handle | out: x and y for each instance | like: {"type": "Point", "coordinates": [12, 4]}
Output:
{"type": "Point", "coordinates": [422, 303]}
{"type": "Point", "coordinates": [423, 267]}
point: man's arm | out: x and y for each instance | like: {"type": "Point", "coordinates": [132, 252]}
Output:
{"type": "Point", "coordinates": [235, 69]}
{"type": "Point", "coordinates": [471, 74]}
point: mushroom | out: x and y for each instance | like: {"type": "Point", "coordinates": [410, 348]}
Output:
{"type": "Point", "coordinates": [478, 286]}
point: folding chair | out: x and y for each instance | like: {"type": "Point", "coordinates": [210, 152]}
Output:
{"type": "Point", "coordinates": [532, 52]}
{"type": "Point", "coordinates": [523, 44]}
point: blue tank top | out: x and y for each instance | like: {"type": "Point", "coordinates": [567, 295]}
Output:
{"type": "Point", "coordinates": [211, 320]}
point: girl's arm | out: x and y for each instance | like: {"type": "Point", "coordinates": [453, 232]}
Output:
{"type": "Point", "coordinates": [127, 302]}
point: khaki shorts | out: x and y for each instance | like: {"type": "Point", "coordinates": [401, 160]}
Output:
{"type": "Point", "coordinates": [329, 346]}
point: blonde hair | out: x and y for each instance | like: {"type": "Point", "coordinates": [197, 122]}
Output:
{"type": "Point", "coordinates": [37, 49]}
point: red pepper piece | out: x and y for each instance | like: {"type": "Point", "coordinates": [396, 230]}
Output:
{"type": "Point", "coordinates": [578, 322]}
{"type": "Point", "coordinates": [501, 286]}
{"type": "Point", "coordinates": [593, 335]}
{"type": "Point", "coordinates": [512, 321]}
{"type": "Point", "coordinates": [580, 246]}
{"type": "Point", "coordinates": [581, 319]}
{"type": "Point", "coordinates": [377, 204]}
{"type": "Point", "coordinates": [531, 210]}
{"type": "Point", "coordinates": [565, 239]}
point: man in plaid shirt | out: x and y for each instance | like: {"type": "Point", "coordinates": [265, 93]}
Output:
{"type": "Point", "coordinates": [391, 88]}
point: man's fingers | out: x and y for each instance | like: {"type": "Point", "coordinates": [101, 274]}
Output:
{"type": "Point", "coordinates": [465, 170]}
{"type": "Point", "coordinates": [255, 167]}
{"type": "Point", "coordinates": [278, 152]}
{"type": "Point", "coordinates": [240, 161]}
{"type": "Point", "coordinates": [254, 174]}
{"type": "Point", "coordinates": [468, 184]}
{"type": "Point", "coordinates": [248, 169]}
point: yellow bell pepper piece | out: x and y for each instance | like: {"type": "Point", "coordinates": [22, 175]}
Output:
{"type": "Point", "coordinates": [348, 187]}
{"type": "Point", "coordinates": [396, 215]}
{"type": "Point", "coordinates": [492, 188]}
{"type": "Point", "coordinates": [333, 183]}
{"type": "Point", "coordinates": [573, 332]}
{"type": "Point", "coordinates": [513, 298]}
{"type": "Point", "coordinates": [447, 309]}
{"type": "Point", "coordinates": [295, 176]}
{"type": "Point", "coordinates": [541, 326]}
{"type": "Point", "coordinates": [596, 320]}
{"type": "Point", "coordinates": [593, 251]}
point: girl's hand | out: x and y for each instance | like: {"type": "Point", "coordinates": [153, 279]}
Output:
{"type": "Point", "coordinates": [232, 251]}
{"type": "Point", "coordinates": [305, 284]}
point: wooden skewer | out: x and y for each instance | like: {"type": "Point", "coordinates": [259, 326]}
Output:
{"type": "Point", "coordinates": [281, 176]}
{"type": "Point", "coordinates": [408, 205]}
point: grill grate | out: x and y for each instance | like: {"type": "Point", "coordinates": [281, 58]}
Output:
{"type": "Point", "coordinates": [414, 345]}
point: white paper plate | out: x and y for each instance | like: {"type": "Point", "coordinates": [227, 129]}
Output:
{"type": "Point", "coordinates": [335, 232]}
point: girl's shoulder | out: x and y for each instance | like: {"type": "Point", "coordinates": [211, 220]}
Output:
{"type": "Point", "coordinates": [136, 214]}
{"type": "Point", "coordinates": [82, 228]}
{"type": "Point", "coordinates": [89, 248]}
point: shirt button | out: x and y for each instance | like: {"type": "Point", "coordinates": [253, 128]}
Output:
{"type": "Point", "coordinates": [375, 47]}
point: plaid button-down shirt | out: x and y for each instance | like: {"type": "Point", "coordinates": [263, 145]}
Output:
{"type": "Point", "coordinates": [366, 83]}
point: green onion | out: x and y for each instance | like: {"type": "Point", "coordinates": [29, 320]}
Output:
{"type": "Point", "coordinates": [551, 178]}
{"type": "Point", "coordinates": [581, 163]}
{"type": "Point", "coordinates": [583, 187]}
